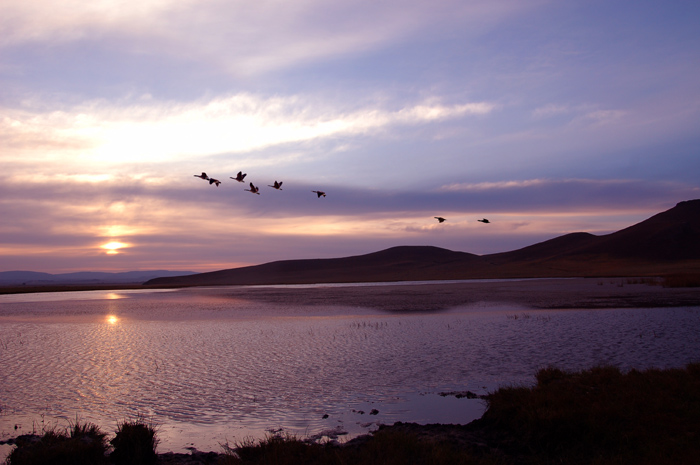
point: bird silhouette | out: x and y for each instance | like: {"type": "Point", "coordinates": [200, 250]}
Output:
{"type": "Point", "coordinates": [253, 189]}
{"type": "Point", "coordinates": [239, 177]}
{"type": "Point", "coordinates": [320, 194]}
{"type": "Point", "coordinates": [440, 219]}
{"type": "Point", "coordinates": [484, 220]}
{"type": "Point", "coordinates": [214, 181]}
{"type": "Point", "coordinates": [202, 176]}
{"type": "Point", "coordinates": [277, 185]}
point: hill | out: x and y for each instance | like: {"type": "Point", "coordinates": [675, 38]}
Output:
{"type": "Point", "coordinates": [33, 278]}
{"type": "Point", "coordinates": [668, 242]}
{"type": "Point", "coordinates": [403, 263]}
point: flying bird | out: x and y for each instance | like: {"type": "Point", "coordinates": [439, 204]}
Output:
{"type": "Point", "coordinates": [320, 193]}
{"type": "Point", "coordinates": [484, 220]}
{"type": "Point", "coordinates": [239, 177]}
{"type": "Point", "coordinates": [202, 176]}
{"type": "Point", "coordinates": [253, 189]}
{"type": "Point", "coordinates": [440, 219]}
{"type": "Point", "coordinates": [277, 185]}
{"type": "Point", "coordinates": [214, 181]}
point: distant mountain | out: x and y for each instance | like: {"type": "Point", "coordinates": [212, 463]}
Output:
{"type": "Point", "coordinates": [33, 278]}
{"type": "Point", "coordinates": [665, 243]}
{"type": "Point", "coordinates": [402, 263]}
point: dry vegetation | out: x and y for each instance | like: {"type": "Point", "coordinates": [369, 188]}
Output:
{"type": "Point", "coordinates": [598, 416]}
{"type": "Point", "coordinates": [682, 280]}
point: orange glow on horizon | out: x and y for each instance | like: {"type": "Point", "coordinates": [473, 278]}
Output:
{"type": "Point", "coordinates": [113, 247]}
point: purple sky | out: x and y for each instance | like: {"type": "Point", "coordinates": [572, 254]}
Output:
{"type": "Point", "coordinates": [546, 117]}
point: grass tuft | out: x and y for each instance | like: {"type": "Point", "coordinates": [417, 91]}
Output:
{"type": "Point", "coordinates": [135, 443]}
{"type": "Point", "coordinates": [79, 444]}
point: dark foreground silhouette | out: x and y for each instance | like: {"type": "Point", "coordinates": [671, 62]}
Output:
{"type": "Point", "coordinates": [596, 416]}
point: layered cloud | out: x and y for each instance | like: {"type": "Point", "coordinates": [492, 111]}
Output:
{"type": "Point", "coordinates": [96, 132]}
{"type": "Point", "coordinates": [192, 225]}
{"type": "Point", "coordinates": [243, 37]}
{"type": "Point", "coordinates": [544, 117]}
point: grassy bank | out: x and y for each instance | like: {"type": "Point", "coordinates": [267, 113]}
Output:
{"type": "Point", "coordinates": [597, 416]}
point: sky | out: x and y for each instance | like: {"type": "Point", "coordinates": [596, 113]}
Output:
{"type": "Point", "coordinates": [545, 117]}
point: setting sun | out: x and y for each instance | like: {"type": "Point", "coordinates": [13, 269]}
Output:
{"type": "Point", "coordinates": [113, 247]}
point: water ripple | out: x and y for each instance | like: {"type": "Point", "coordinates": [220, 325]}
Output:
{"type": "Point", "coordinates": [247, 371]}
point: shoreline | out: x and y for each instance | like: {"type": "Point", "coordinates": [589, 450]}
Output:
{"type": "Point", "coordinates": [538, 293]}
{"type": "Point", "coordinates": [425, 296]}
{"type": "Point", "coordinates": [599, 415]}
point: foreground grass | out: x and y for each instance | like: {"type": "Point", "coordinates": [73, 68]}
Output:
{"type": "Point", "coordinates": [79, 444]}
{"type": "Point", "coordinates": [598, 416]}
{"type": "Point", "coordinates": [601, 416]}
{"type": "Point", "coordinates": [388, 446]}
{"type": "Point", "coordinates": [85, 444]}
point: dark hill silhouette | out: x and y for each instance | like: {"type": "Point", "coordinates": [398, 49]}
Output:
{"type": "Point", "coordinates": [668, 242]}
{"type": "Point", "coordinates": [667, 236]}
{"type": "Point", "coordinates": [403, 263]}
{"type": "Point", "coordinates": [568, 243]}
{"type": "Point", "coordinates": [33, 278]}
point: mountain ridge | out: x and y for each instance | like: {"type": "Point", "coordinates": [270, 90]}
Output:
{"type": "Point", "coordinates": [32, 278]}
{"type": "Point", "coordinates": [668, 242]}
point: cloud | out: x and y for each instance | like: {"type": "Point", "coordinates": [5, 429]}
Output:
{"type": "Point", "coordinates": [104, 133]}
{"type": "Point", "coordinates": [571, 195]}
{"type": "Point", "coordinates": [187, 224]}
{"type": "Point", "coordinates": [484, 186]}
{"type": "Point", "coordinates": [245, 38]}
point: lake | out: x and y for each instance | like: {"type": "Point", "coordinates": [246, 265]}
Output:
{"type": "Point", "coordinates": [209, 367]}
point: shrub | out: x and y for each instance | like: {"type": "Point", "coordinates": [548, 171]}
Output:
{"type": "Point", "coordinates": [80, 444]}
{"type": "Point", "coordinates": [602, 415]}
{"type": "Point", "coordinates": [135, 443]}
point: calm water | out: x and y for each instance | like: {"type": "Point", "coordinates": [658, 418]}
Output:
{"type": "Point", "coordinates": [209, 368]}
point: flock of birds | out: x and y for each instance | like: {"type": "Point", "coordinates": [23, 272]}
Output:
{"type": "Point", "coordinates": [253, 188]}
{"type": "Point", "coordinates": [441, 219]}
{"type": "Point", "coordinates": [278, 185]}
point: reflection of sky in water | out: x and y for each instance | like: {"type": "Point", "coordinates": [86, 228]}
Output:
{"type": "Point", "coordinates": [211, 370]}
{"type": "Point", "coordinates": [76, 295]}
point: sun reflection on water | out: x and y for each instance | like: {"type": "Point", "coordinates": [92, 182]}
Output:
{"type": "Point", "coordinates": [112, 319]}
